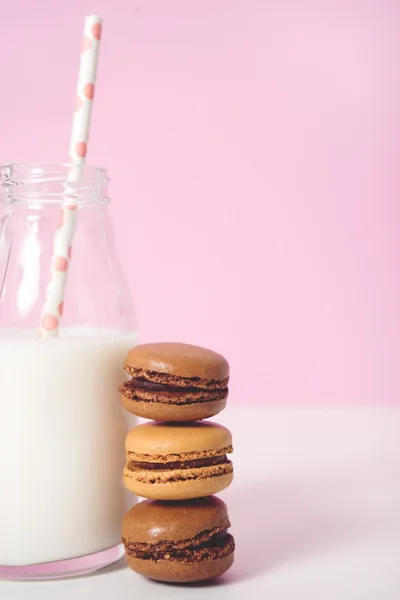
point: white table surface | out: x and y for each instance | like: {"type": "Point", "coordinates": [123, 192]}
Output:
{"type": "Point", "coordinates": [315, 511]}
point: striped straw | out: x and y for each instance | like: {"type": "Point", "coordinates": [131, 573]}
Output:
{"type": "Point", "coordinates": [62, 249]}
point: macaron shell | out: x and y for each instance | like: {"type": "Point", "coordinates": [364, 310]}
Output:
{"type": "Point", "coordinates": [176, 438]}
{"type": "Point", "coordinates": [177, 490]}
{"type": "Point", "coordinates": [179, 571]}
{"type": "Point", "coordinates": [182, 360]}
{"type": "Point", "coordinates": [153, 521]}
{"type": "Point", "coordinates": [173, 412]}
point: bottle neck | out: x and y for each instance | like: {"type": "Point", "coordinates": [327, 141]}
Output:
{"type": "Point", "coordinates": [96, 293]}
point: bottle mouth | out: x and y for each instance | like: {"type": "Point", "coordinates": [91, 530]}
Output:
{"type": "Point", "coordinates": [52, 182]}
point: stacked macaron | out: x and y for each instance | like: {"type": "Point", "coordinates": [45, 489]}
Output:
{"type": "Point", "coordinates": [177, 462]}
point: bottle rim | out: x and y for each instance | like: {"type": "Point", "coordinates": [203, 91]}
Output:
{"type": "Point", "coordinates": [53, 183]}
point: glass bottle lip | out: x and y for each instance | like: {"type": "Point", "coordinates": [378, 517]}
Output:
{"type": "Point", "coordinates": [53, 183]}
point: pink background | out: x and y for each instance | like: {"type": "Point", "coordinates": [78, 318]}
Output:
{"type": "Point", "coordinates": [254, 148]}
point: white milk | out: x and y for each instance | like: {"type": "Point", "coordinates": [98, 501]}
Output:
{"type": "Point", "coordinates": [62, 433]}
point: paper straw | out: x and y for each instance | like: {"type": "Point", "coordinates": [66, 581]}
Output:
{"type": "Point", "coordinates": [62, 249]}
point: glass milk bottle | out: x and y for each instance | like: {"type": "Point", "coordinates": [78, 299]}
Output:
{"type": "Point", "coordinates": [62, 425]}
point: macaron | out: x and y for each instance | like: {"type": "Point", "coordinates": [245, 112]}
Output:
{"type": "Point", "coordinates": [175, 382]}
{"type": "Point", "coordinates": [178, 461]}
{"type": "Point", "coordinates": [178, 542]}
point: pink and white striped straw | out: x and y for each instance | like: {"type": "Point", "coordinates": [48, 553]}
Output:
{"type": "Point", "coordinates": [54, 303]}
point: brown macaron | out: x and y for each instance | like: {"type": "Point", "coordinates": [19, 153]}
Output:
{"type": "Point", "coordinates": [175, 382]}
{"type": "Point", "coordinates": [178, 541]}
{"type": "Point", "coordinates": [178, 461]}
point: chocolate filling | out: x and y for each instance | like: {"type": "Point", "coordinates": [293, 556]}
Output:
{"type": "Point", "coordinates": [188, 464]}
{"type": "Point", "coordinates": [218, 546]}
{"type": "Point", "coordinates": [152, 386]}
{"type": "Point", "coordinates": [180, 397]}
{"type": "Point", "coordinates": [176, 380]}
